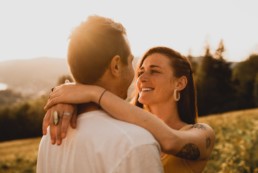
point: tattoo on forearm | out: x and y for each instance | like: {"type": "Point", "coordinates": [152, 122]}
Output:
{"type": "Point", "coordinates": [189, 151]}
{"type": "Point", "coordinates": [208, 142]}
{"type": "Point", "coordinates": [199, 126]}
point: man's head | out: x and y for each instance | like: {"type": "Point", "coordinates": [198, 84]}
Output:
{"type": "Point", "coordinates": [99, 54]}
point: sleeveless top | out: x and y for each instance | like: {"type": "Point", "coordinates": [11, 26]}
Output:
{"type": "Point", "coordinates": [172, 164]}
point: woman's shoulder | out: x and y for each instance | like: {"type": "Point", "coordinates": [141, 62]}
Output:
{"type": "Point", "coordinates": [202, 126]}
{"type": "Point", "coordinates": [202, 129]}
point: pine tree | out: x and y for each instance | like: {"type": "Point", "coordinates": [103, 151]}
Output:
{"type": "Point", "coordinates": [256, 91]}
{"type": "Point", "coordinates": [214, 89]}
{"type": "Point", "coordinates": [244, 77]}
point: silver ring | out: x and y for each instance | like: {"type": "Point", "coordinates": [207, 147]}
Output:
{"type": "Point", "coordinates": [67, 113]}
{"type": "Point", "coordinates": [55, 118]}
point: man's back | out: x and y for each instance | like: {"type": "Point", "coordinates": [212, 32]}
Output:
{"type": "Point", "coordinates": [101, 144]}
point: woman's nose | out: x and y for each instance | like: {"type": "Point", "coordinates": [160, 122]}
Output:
{"type": "Point", "coordinates": [143, 77]}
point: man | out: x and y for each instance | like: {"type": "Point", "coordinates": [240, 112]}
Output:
{"type": "Point", "coordinates": [99, 54]}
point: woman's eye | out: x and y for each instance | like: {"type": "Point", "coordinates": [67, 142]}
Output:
{"type": "Point", "coordinates": [149, 72]}
{"type": "Point", "coordinates": [153, 71]}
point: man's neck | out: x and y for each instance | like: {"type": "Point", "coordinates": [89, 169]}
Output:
{"type": "Point", "coordinates": [87, 107]}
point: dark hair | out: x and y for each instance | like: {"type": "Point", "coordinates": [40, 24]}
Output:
{"type": "Point", "coordinates": [92, 46]}
{"type": "Point", "coordinates": [187, 105]}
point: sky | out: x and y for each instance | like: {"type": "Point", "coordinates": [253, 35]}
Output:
{"type": "Point", "coordinates": [40, 28]}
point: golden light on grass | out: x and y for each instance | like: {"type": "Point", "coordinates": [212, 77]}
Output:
{"type": "Point", "coordinates": [235, 149]}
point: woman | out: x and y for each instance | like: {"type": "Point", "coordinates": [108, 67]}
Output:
{"type": "Point", "coordinates": [165, 88]}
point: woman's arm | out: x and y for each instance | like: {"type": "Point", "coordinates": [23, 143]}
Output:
{"type": "Point", "coordinates": [194, 142]}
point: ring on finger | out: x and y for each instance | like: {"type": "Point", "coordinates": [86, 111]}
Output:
{"type": "Point", "coordinates": [55, 118]}
{"type": "Point", "coordinates": [67, 113]}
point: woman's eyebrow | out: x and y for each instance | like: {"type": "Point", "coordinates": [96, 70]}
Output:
{"type": "Point", "coordinates": [154, 66]}
{"type": "Point", "coordinates": [151, 66]}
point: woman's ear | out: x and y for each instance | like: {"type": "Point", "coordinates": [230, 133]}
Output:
{"type": "Point", "coordinates": [181, 83]}
{"type": "Point", "coordinates": [115, 65]}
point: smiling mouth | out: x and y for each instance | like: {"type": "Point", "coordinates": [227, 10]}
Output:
{"type": "Point", "coordinates": [147, 89]}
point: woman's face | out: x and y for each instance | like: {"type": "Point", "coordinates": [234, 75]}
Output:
{"type": "Point", "coordinates": [156, 81]}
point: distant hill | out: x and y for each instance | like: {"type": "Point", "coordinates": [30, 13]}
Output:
{"type": "Point", "coordinates": [35, 76]}
{"type": "Point", "coordinates": [32, 76]}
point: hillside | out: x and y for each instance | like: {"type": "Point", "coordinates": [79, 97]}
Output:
{"type": "Point", "coordinates": [235, 150]}
{"type": "Point", "coordinates": [32, 76]}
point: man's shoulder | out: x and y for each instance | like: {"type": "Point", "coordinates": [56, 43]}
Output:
{"type": "Point", "coordinates": [100, 123]}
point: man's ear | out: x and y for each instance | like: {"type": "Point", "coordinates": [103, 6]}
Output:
{"type": "Point", "coordinates": [115, 65]}
{"type": "Point", "coordinates": [181, 83]}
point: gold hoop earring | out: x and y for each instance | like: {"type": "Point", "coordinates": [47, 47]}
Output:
{"type": "Point", "coordinates": [176, 95]}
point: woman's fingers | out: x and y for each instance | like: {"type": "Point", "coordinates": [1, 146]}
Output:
{"type": "Point", "coordinates": [59, 94]}
{"type": "Point", "coordinates": [68, 93]}
{"type": "Point", "coordinates": [52, 101]}
{"type": "Point", "coordinates": [66, 119]}
{"type": "Point", "coordinates": [54, 122]}
{"type": "Point", "coordinates": [58, 132]}
{"type": "Point", "coordinates": [59, 118]}
{"type": "Point", "coordinates": [49, 104]}
{"type": "Point", "coordinates": [46, 122]}
{"type": "Point", "coordinates": [74, 119]}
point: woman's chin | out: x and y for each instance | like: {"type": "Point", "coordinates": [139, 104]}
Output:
{"type": "Point", "coordinates": [144, 101]}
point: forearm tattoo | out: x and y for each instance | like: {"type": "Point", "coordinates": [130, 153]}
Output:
{"type": "Point", "coordinates": [190, 152]}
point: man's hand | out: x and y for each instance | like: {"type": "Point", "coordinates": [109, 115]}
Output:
{"type": "Point", "coordinates": [66, 114]}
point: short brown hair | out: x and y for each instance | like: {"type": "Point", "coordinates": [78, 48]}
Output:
{"type": "Point", "coordinates": [92, 46]}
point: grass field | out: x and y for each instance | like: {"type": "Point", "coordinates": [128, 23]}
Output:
{"type": "Point", "coordinates": [235, 151]}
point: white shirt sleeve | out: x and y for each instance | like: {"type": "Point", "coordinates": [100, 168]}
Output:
{"type": "Point", "coordinates": [145, 158]}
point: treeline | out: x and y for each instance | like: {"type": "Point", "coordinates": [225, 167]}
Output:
{"type": "Point", "coordinates": [224, 86]}
{"type": "Point", "coordinates": [21, 117]}
{"type": "Point", "coordinates": [221, 86]}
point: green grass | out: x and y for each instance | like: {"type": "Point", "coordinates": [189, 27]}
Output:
{"type": "Point", "coordinates": [235, 150]}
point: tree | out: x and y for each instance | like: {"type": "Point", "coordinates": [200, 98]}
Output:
{"type": "Point", "coordinates": [214, 88]}
{"type": "Point", "coordinates": [9, 96]}
{"type": "Point", "coordinates": [244, 77]}
{"type": "Point", "coordinates": [220, 50]}
{"type": "Point", "coordinates": [256, 91]}
{"type": "Point", "coordinates": [22, 119]}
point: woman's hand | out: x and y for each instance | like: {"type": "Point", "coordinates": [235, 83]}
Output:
{"type": "Point", "coordinates": [67, 115]}
{"type": "Point", "coordinates": [61, 108]}
{"type": "Point", "coordinates": [73, 94]}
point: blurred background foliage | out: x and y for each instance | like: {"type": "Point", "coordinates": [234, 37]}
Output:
{"type": "Point", "coordinates": [21, 117]}
{"type": "Point", "coordinates": [221, 86]}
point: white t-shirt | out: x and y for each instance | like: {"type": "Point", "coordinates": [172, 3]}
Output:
{"type": "Point", "coordinates": [101, 144]}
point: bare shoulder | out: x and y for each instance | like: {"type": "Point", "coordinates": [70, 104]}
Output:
{"type": "Point", "coordinates": [199, 126]}
{"type": "Point", "coordinates": [204, 129]}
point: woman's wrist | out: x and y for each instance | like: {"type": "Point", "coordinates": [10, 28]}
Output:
{"type": "Point", "coordinates": [97, 94]}
{"type": "Point", "coordinates": [100, 97]}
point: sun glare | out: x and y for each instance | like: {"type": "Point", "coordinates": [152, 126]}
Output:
{"type": "Point", "coordinates": [31, 29]}
{"type": "Point", "coordinates": [3, 86]}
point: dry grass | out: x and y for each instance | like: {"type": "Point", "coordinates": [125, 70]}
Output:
{"type": "Point", "coordinates": [236, 147]}
{"type": "Point", "coordinates": [18, 156]}
{"type": "Point", "coordinates": [235, 151]}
